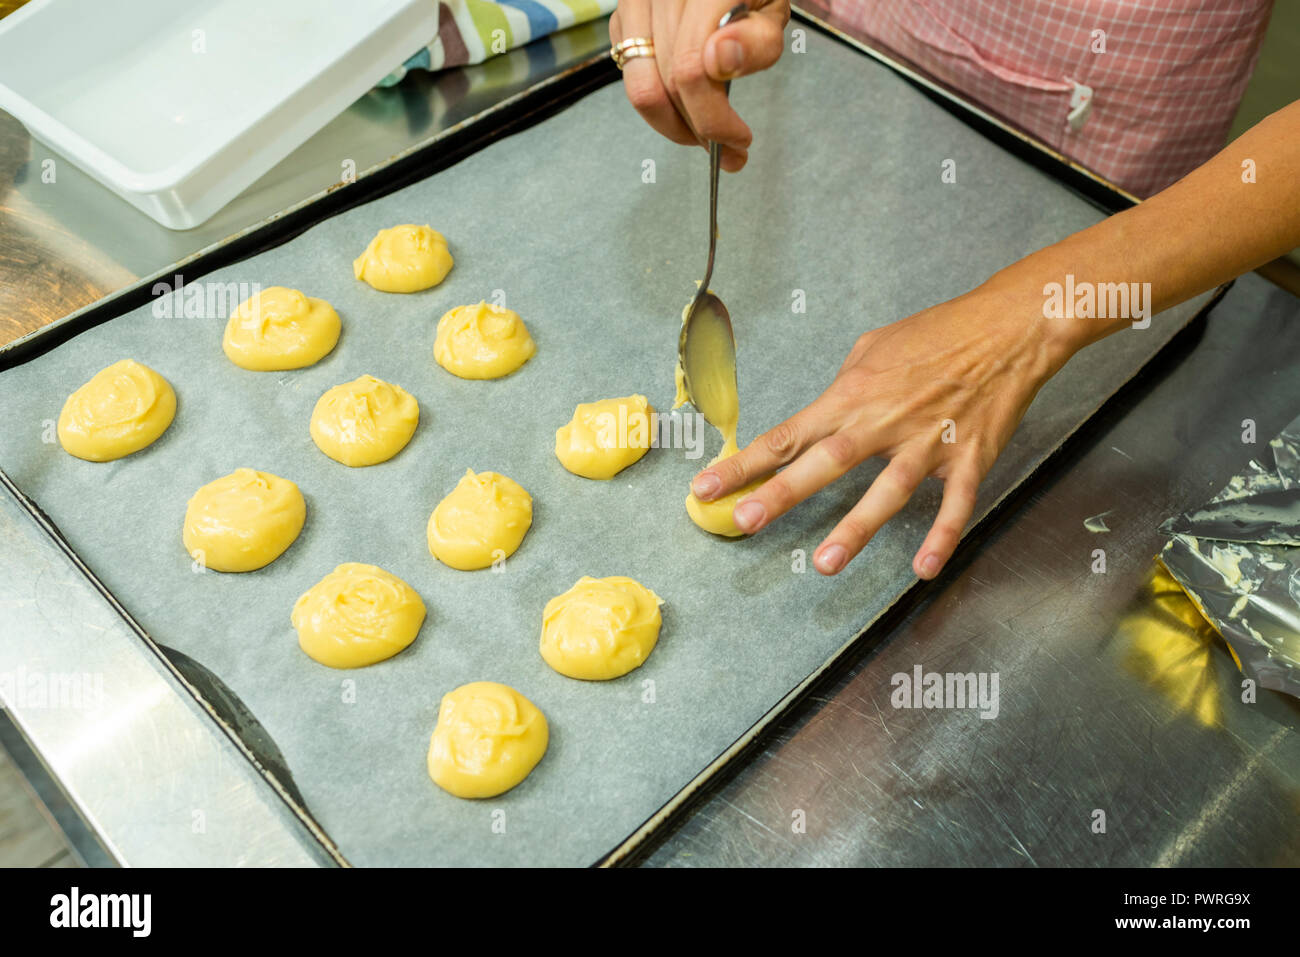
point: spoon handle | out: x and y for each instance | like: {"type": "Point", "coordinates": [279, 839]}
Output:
{"type": "Point", "coordinates": [738, 12]}
{"type": "Point", "coordinates": [715, 159]}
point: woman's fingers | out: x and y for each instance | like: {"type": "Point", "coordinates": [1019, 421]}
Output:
{"type": "Point", "coordinates": [702, 98]}
{"type": "Point", "coordinates": [811, 472]}
{"type": "Point", "coordinates": [641, 80]}
{"type": "Point", "coordinates": [645, 91]}
{"type": "Point", "coordinates": [959, 493]}
{"type": "Point", "coordinates": [665, 22]}
{"type": "Point", "coordinates": [749, 45]}
{"type": "Point", "coordinates": [882, 501]}
{"type": "Point", "coordinates": [681, 92]}
{"type": "Point", "coordinates": [763, 456]}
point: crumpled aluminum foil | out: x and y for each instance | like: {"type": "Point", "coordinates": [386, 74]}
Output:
{"type": "Point", "coordinates": [1238, 558]}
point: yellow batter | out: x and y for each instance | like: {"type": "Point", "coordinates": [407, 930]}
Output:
{"type": "Point", "coordinates": [487, 739]}
{"type": "Point", "coordinates": [714, 387]}
{"type": "Point", "coordinates": [120, 410]}
{"type": "Point", "coordinates": [404, 259]}
{"type": "Point", "coordinates": [243, 521]}
{"type": "Point", "coordinates": [601, 628]}
{"type": "Point", "coordinates": [280, 328]}
{"type": "Point", "coordinates": [482, 520]}
{"type": "Point", "coordinates": [482, 342]}
{"type": "Point", "coordinates": [364, 422]}
{"type": "Point", "coordinates": [679, 380]}
{"type": "Point", "coordinates": [713, 382]}
{"type": "Point", "coordinates": [715, 516]}
{"type": "Point", "coordinates": [605, 437]}
{"type": "Point", "coordinates": [357, 615]}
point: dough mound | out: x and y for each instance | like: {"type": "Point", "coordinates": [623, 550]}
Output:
{"type": "Point", "coordinates": [357, 615]}
{"type": "Point", "coordinates": [715, 516]}
{"type": "Point", "coordinates": [483, 519]}
{"type": "Point", "coordinates": [601, 628]}
{"type": "Point", "coordinates": [122, 409]}
{"type": "Point", "coordinates": [243, 521]}
{"type": "Point", "coordinates": [487, 739]}
{"type": "Point", "coordinates": [404, 259]}
{"type": "Point", "coordinates": [605, 437]}
{"type": "Point", "coordinates": [482, 342]}
{"type": "Point", "coordinates": [364, 422]}
{"type": "Point", "coordinates": [280, 329]}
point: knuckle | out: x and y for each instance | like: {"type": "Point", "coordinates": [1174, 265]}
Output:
{"type": "Point", "coordinates": [643, 92]}
{"type": "Point", "coordinates": [733, 470]}
{"type": "Point", "coordinates": [840, 450]}
{"type": "Point", "coordinates": [855, 529]}
{"type": "Point", "coordinates": [778, 492]}
{"type": "Point", "coordinates": [903, 475]}
{"type": "Point", "coordinates": [947, 527]}
{"type": "Point", "coordinates": [948, 533]}
{"type": "Point", "coordinates": [688, 69]}
{"type": "Point", "coordinates": [782, 441]}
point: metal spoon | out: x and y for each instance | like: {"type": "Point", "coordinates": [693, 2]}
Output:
{"type": "Point", "coordinates": [706, 349]}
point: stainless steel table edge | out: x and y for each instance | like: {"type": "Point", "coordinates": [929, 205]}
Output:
{"type": "Point", "coordinates": [111, 684]}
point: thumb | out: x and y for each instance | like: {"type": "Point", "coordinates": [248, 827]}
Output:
{"type": "Point", "coordinates": [746, 46]}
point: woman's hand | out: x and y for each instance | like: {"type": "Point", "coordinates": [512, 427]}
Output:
{"type": "Point", "coordinates": [679, 91]}
{"type": "Point", "coordinates": [938, 393]}
{"type": "Point", "coordinates": [977, 362]}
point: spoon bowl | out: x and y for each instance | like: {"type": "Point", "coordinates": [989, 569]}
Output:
{"type": "Point", "coordinates": [706, 351]}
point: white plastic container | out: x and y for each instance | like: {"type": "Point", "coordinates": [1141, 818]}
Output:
{"type": "Point", "coordinates": [179, 106]}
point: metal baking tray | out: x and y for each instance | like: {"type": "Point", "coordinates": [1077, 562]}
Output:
{"type": "Point", "coordinates": [1023, 197]}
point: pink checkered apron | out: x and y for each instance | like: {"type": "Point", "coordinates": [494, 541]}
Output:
{"type": "Point", "coordinates": [1138, 91]}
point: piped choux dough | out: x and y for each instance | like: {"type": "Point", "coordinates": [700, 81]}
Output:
{"type": "Point", "coordinates": [357, 615]}
{"type": "Point", "coordinates": [122, 409]}
{"type": "Point", "coordinates": [482, 520]}
{"type": "Point", "coordinates": [243, 521]}
{"type": "Point", "coordinates": [280, 329]}
{"type": "Point", "coordinates": [482, 342]}
{"type": "Point", "coordinates": [404, 258]}
{"type": "Point", "coordinates": [488, 738]}
{"type": "Point", "coordinates": [715, 516]}
{"type": "Point", "coordinates": [601, 628]}
{"type": "Point", "coordinates": [364, 422]}
{"type": "Point", "coordinates": [605, 437]}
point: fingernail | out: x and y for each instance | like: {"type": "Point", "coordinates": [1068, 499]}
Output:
{"type": "Point", "coordinates": [731, 57]}
{"type": "Point", "coordinates": [929, 566]}
{"type": "Point", "coordinates": [706, 485]}
{"type": "Point", "coordinates": [749, 515]}
{"type": "Point", "coordinates": [832, 559]}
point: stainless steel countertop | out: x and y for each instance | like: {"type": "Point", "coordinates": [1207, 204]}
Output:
{"type": "Point", "coordinates": [1114, 696]}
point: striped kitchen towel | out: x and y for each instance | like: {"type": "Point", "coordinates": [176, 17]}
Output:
{"type": "Point", "coordinates": [471, 31]}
